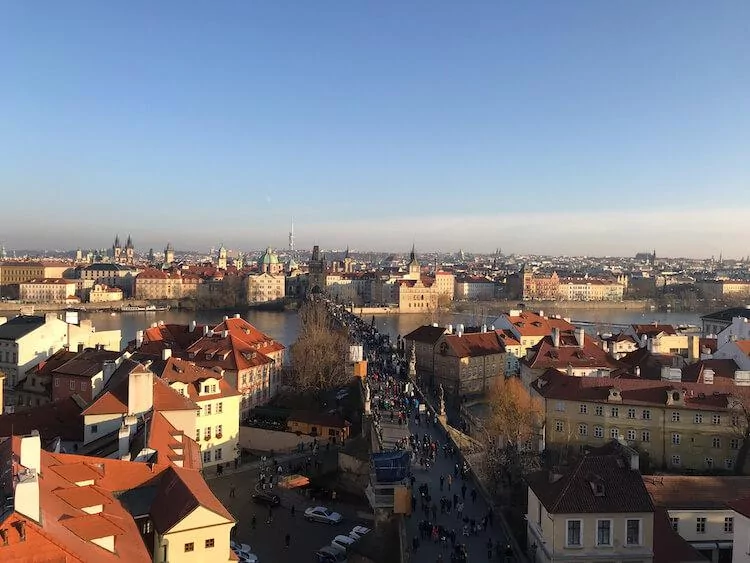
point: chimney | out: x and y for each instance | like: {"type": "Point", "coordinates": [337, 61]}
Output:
{"type": "Point", "coordinates": [236, 315]}
{"type": "Point", "coordinates": [26, 494]}
{"type": "Point", "coordinates": [140, 390]}
{"type": "Point", "coordinates": [108, 368]}
{"type": "Point", "coordinates": [226, 318]}
{"type": "Point", "coordinates": [581, 334]}
{"type": "Point", "coordinates": [166, 353]}
{"type": "Point", "coordinates": [492, 328]}
{"type": "Point", "coordinates": [694, 352]}
{"type": "Point", "coordinates": [484, 328]}
{"type": "Point", "coordinates": [450, 329]}
{"type": "Point", "coordinates": [460, 330]}
{"type": "Point", "coordinates": [541, 313]}
{"type": "Point", "coordinates": [556, 337]}
{"type": "Point", "coordinates": [205, 330]}
{"type": "Point", "coordinates": [123, 443]}
{"type": "Point", "coordinates": [650, 344]}
{"type": "Point", "coordinates": [637, 371]}
{"type": "Point", "coordinates": [708, 376]}
{"type": "Point", "coordinates": [191, 327]}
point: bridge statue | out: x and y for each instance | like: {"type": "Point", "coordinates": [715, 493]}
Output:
{"type": "Point", "coordinates": [441, 400]}
{"type": "Point", "coordinates": [413, 363]}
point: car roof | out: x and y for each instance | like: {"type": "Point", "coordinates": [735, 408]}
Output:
{"type": "Point", "coordinates": [344, 539]}
{"type": "Point", "coordinates": [360, 529]}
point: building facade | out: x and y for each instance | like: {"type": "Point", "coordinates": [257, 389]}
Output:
{"type": "Point", "coordinates": [265, 287]}
{"type": "Point", "coordinates": [47, 290]}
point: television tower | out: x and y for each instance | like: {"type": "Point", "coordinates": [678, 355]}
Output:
{"type": "Point", "coordinates": [291, 236]}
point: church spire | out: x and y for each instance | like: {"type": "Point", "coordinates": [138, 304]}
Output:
{"type": "Point", "coordinates": [412, 254]}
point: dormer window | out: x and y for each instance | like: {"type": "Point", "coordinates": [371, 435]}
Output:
{"type": "Point", "coordinates": [209, 355]}
{"type": "Point", "coordinates": [598, 488]}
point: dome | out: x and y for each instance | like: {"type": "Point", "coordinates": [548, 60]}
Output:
{"type": "Point", "coordinates": [268, 257]}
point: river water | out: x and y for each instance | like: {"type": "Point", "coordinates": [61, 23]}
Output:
{"type": "Point", "coordinates": [283, 326]}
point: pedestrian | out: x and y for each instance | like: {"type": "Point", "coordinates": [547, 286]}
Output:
{"type": "Point", "coordinates": [231, 492]}
{"type": "Point", "coordinates": [270, 516]}
{"type": "Point", "coordinates": [463, 491]}
{"type": "Point", "coordinates": [489, 549]}
{"type": "Point", "coordinates": [450, 481]}
{"type": "Point", "coordinates": [473, 496]}
{"type": "Point", "coordinates": [287, 540]}
{"type": "Point", "coordinates": [292, 511]}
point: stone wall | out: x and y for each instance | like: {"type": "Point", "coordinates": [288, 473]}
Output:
{"type": "Point", "coordinates": [262, 440]}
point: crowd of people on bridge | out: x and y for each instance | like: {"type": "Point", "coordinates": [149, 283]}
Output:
{"type": "Point", "coordinates": [451, 517]}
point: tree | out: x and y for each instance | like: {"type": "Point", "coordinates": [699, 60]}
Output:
{"type": "Point", "coordinates": [320, 351]}
{"type": "Point", "coordinates": [740, 421]}
{"type": "Point", "coordinates": [512, 426]}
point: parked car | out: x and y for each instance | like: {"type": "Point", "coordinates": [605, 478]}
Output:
{"type": "Point", "coordinates": [242, 550]}
{"type": "Point", "coordinates": [342, 543]}
{"type": "Point", "coordinates": [264, 497]}
{"type": "Point", "coordinates": [322, 514]}
{"type": "Point", "coordinates": [358, 531]}
{"type": "Point", "coordinates": [327, 554]}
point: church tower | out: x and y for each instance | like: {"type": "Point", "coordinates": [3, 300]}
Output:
{"type": "Point", "coordinates": [129, 252]}
{"type": "Point", "coordinates": [415, 270]}
{"type": "Point", "coordinates": [116, 250]}
{"type": "Point", "coordinates": [222, 258]}
{"type": "Point", "coordinates": [169, 254]}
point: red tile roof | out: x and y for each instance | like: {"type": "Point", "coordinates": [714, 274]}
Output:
{"type": "Point", "coordinates": [653, 329]}
{"type": "Point", "coordinates": [744, 346]}
{"type": "Point", "coordinates": [553, 384]}
{"type": "Point", "coordinates": [545, 355]}
{"type": "Point", "coordinates": [690, 492]}
{"type": "Point", "coordinates": [61, 419]}
{"type": "Point", "coordinates": [723, 370]}
{"type": "Point", "coordinates": [532, 324]}
{"type": "Point", "coordinates": [183, 371]}
{"type": "Point", "coordinates": [669, 546]}
{"type": "Point", "coordinates": [621, 488]}
{"type": "Point", "coordinates": [475, 344]}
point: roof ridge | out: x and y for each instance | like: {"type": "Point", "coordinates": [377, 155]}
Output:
{"type": "Point", "coordinates": [571, 477]}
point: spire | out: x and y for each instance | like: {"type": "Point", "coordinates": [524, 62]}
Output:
{"type": "Point", "coordinates": [117, 241]}
{"type": "Point", "coordinates": [347, 252]}
{"type": "Point", "coordinates": [412, 254]}
{"type": "Point", "coordinates": [129, 243]}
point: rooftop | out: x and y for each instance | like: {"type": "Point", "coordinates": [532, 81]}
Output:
{"type": "Point", "coordinates": [20, 326]}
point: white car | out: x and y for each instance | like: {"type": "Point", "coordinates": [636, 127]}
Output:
{"type": "Point", "coordinates": [242, 550]}
{"type": "Point", "coordinates": [322, 514]}
{"type": "Point", "coordinates": [342, 543]}
{"type": "Point", "coordinates": [358, 531]}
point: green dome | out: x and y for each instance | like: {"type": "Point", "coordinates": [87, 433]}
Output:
{"type": "Point", "coordinates": [268, 257]}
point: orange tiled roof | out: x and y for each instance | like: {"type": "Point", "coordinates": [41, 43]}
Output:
{"type": "Point", "coordinates": [744, 346]}
{"type": "Point", "coordinates": [183, 371]}
{"type": "Point", "coordinates": [475, 344]}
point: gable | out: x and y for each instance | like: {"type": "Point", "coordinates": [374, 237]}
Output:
{"type": "Point", "coordinates": [200, 517]}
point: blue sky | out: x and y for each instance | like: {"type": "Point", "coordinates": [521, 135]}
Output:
{"type": "Point", "coordinates": [562, 127]}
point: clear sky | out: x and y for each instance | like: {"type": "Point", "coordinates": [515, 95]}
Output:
{"type": "Point", "coordinates": [596, 127]}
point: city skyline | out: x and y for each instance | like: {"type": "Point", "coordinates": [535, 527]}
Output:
{"type": "Point", "coordinates": [588, 128]}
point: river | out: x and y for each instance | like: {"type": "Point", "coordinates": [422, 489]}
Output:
{"type": "Point", "coordinates": [283, 327]}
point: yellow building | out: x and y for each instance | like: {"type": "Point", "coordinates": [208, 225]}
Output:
{"type": "Point", "coordinates": [158, 284]}
{"type": "Point", "coordinates": [718, 289]}
{"type": "Point", "coordinates": [676, 425]}
{"type": "Point", "coordinates": [265, 287]}
{"type": "Point", "coordinates": [599, 510]}
{"type": "Point", "coordinates": [218, 423]}
{"type": "Point", "coordinates": [13, 273]}
{"type": "Point", "coordinates": [47, 290]}
{"type": "Point", "coordinates": [444, 283]}
{"type": "Point", "coordinates": [328, 427]}
{"type": "Point", "coordinates": [416, 296]}
{"type": "Point", "coordinates": [590, 290]}
{"type": "Point", "coordinates": [103, 294]}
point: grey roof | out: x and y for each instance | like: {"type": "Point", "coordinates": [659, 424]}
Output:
{"type": "Point", "coordinates": [728, 314]}
{"type": "Point", "coordinates": [138, 501]}
{"type": "Point", "coordinates": [426, 334]}
{"type": "Point", "coordinates": [20, 326]}
{"type": "Point", "coordinates": [105, 266]}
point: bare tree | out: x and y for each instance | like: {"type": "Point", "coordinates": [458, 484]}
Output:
{"type": "Point", "coordinates": [513, 425]}
{"type": "Point", "coordinates": [319, 355]}
{"type": "Point", "coordinates": [740, 422]}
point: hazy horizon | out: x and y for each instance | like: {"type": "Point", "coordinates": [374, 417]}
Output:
{"type": "Point", "coordinates": [580, 128]}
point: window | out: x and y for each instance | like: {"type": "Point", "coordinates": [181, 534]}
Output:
{"type": "Point", "coordinates": [675, 417]}
{"type": "Point", "coordinates": [716, 442]}
{"type": "Point", "coordinates": [700, 525]}
{"type": "Point", "coordinates": [573, 537]}
{"type": "Point", "coordinates": [675, 522]}
{"type": "Point", "coordinates": [559, 426]}
{"type": "Point", "coordinates": [584, 409]}
{"type": "Point", "coordinates": [218, 431]}
{"type": "Point", "coordinates": [209, 543]}
{"type": "Point", "coordinates": [646, 414]}
{"type": "Point", "coordinates": [217, 454]}
{"type": "Point", "coordinates": [716, 419]}
{"type": "Point", "coordinates": [633, 531]}
{"type": "Point", "coordinates": [206, 456]}
{"type": "Point", "coordinates": [709, 462]}
{"type": "Point", "coordinates": [599, 410]}
{"type": "Point", "coordinates": [219, 408]}
{"type": "Point", "coordinates": [583, 430]}
{"type": "Point", "coordinates": [676, 462]}
{"type": "Point", "coordinates": [72, 385]}
{"type": "Point", "coordinates": [614, 412]}
{"type": "Point", "coordinates": [604, 532]}
{"type": "Point", "coordinates": [646, 436]}
{"type": "Point", "coordinates": [698, 418]}
{"type": "Point", "coordinates": [57, 382]}
{"type": "Point", "coordinates": [614, 433]}
{"type": "Point", "coordinates": [189, 547]}
{"type": "Point", "coordinates": [146, 528]}
{"type": "Point", "coordinates": [207, 433]}
{"type": "Point", "coordinates": [728, 525]}
{"type": "Point", "coordinates": [729, 463]}
{"type": "Point", "coordinates": [631, 434]}
{"type": "Point", "coordinates": [676, 439]}
{"type": "Point", "coordinates": [631, 413]}
{"type": "Point", "coordinates": [560, 406]}
{"type": "Point", "coordinates": [197, 434]}
{"type": "Point", "coordinates": [734, 444]}
{"type": "Point", "coordinates": [598, 432]}
{"type": "Point", "coordinates": [94, 428]}
{"type": "Point", "coordinates": [208, 409]}
{"type": "Point", "coordinates": [735, 420]}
